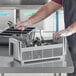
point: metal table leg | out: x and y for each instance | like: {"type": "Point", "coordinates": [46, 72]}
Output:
{"type": "Point", "coordinates": [2, 74]}
{"type": "Point", "coordinates": [60, 74]}
{"type": "Point", "coordinates": [57, 74]}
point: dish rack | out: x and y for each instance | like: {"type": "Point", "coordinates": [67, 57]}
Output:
{"type": "Point", "coordinates": [45, 50]}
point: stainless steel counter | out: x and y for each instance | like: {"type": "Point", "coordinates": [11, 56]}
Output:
{"type": "Point", "coordinates": [8, 65]}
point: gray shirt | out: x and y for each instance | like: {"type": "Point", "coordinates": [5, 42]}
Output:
{"type": "Point", "coordinates": [70, 17]}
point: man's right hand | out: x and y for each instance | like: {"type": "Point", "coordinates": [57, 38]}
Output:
{"type": "Point", "coordinates": [23, 25]}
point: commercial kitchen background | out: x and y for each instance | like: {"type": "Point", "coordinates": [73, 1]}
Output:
{"type": "Point", "coordinates": [55, 22]}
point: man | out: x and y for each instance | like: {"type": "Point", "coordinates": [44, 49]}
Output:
{"type": "Point", "coordinates": [69, 17]}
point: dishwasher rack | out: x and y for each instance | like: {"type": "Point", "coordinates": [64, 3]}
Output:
{"type": "Point", "coordinates": [55, 51]}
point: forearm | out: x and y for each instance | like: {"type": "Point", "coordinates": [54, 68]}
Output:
{"type": "Point", "coordinates": [73, 26]}
{"type": "Point", "coordinates": [69, 31]}
{"type": "Point", "coordinates": [44, 12]}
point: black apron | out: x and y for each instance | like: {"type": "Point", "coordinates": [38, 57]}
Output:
{"type": "Point", "coordinates": [70, 17]}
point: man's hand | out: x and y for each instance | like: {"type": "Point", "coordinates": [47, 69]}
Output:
{"type": "Point", "coordinates": [23, 24]}
{"type": "Point", "coordinates": [64, 33]}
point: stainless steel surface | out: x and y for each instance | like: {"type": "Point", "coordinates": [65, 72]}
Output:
{"type": "Point", "coordinates": [8, 65]}
{"type": "Point", "coordinates": [22, 2]}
